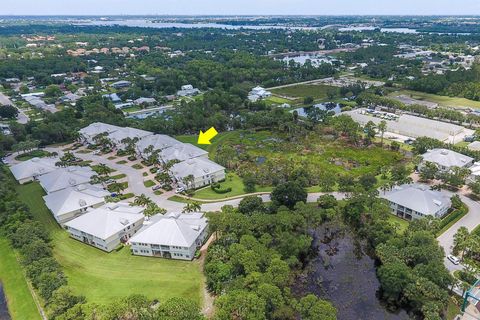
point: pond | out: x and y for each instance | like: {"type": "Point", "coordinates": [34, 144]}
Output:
{"type": "Point", "coordinates": [335, 107]}
{"type": "Point", "coordinates": [343, 273]}
{"type": "Point", "coordinates": [4, 315]}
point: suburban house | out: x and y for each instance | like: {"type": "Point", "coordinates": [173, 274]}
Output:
{"type": "Point", "coordinates": [113, 97]}
{"type": "Point", "coordinates": [31, 169]}
{"type": "Point", "coordinates": [446, 159]}
{"type": "Point", "coordinates": [88, 133]}
{"type": "Point", "coordinates": [188, 91]}
{"type": "Point", "coordinates": [258, 93]}
{"type": "Point", "coordinates": [144, 101]}
{"type": "Point", "coordinates": [415, 201]}
{"type": "Point", "coordinates": [107, 226]}
{"type": "Point", "coordinates": [474, 172]}
{"type": "Point", "coordinates": [203, 171]}
{"type": "Point", "coordinates": [62, 178]}
{"type": "Point", "coordinates": [172, 236]}
{"type": "Point", "coordinates": [69, 203]}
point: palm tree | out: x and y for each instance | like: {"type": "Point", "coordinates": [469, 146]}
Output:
{"type": "Point", "coordinates": [153, 209]}
{"type": "Point", "coordinates": [382, 127]}
{"type": "Point", "coordinates": [192, 207]}
{"type": "Point", "coordinates": [188, 180]}
{"type": "Point", "coordinates": [103, 170]}
{"type": "Point", "coordinates": [460, 240]}
{"type": "Point", "coordinates": [117, 187]}
{"type": "Point", "coordinates": [141, 200]}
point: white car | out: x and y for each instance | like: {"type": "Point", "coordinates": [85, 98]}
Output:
{"type": "Point", "coordinates": [453, 259]}
{"type": "Point", "coordinates": [180, 190]}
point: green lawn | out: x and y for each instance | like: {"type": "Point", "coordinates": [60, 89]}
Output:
{"type": "Point", "coordinates": [318, 92]}
{"type": "Point", "coordinates": [101, 276]}
{"type": "Point", "coordinates": [149, 183]}
{"type": "Point", "coordinates": [278, 100]}
{"type": "Point", "coordinates": [20, 302]}
{"type": "Point", "coordinates": [444, 101]}
{"type": "Point", "coordinates": [233, 181]}
{"type": "Point", "coordinates": [137, 166]}
{"type": "Point", "coordinates": [118, 176]}
{"type": "Point", "coordinates": [32, 154]}
{"type": "Point", "coordinates": [122, 162]}
{"type": "Point", "coordinates": [402, 224]}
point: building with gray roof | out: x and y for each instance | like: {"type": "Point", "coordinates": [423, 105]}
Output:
{"type": "Point", "coordinates": [182, 152]}
{"type": "Point", "coordinates": [62, 178]}
{"type": "Point", "coordinates": [203, 171]}
{"type": "Point", "coordinates": [69, 203]}
{"type": "Point", "coordinates": [32, 169]}
{"type": "Point", "coordinates": [415, 201]}
{"type": "Point", "coordinates": [173, 236]}
{"type": "Point", "coordinates": [88, 133]}
{"type": "Point", "coordinates": [157, 141]}
{"type": "Point", "coordinates": [122, 133]}
{"type": "Point", "coordinates": [107, 226]}
{"type": "Point", "coordinates": [446, 159]}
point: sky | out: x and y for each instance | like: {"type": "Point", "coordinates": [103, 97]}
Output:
{"type": "Point", "coordinates": [240, 7]}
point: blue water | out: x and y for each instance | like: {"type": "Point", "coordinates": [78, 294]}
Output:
{"type": "Point", "coordinates": [4, 315]}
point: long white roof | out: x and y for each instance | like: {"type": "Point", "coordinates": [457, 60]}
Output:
{"type": "Point", "coordinates": [198, 167]}
{"type": "Point", "coordinates": [62, 178]}
{"type": "Point", "coordinates": [107, 220]}
{"type": "Point", "coordinates": [122, 133]}
{"type": "Point", "coordinates": [158, 141]}
{"type": "Point", "coordinates": [181, 151]}
{"type": "Point", "coordinates": [174, 229]}
{"type": "Point", "coordinates": [97, 128]}
{"type": "Point", "coordinates": [447, 158]}
{"type": "Point", "coordinates": [418, 198]}
{"type": "Point", "coordinates": [33, 167]}
{"type": "Point", "coordinates": [74, 198]}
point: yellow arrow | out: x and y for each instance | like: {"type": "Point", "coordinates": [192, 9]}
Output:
{"type": "Point", "coordinates": [205, 137]}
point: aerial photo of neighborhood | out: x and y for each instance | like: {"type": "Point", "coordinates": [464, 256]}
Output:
{"type": "Point", "coordinates": [239, 160]}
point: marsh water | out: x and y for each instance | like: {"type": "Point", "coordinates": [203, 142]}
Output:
{"type": "Point", "coordinates": [4, 315]}
{"type": "Point", "coordinates": [345, 274]}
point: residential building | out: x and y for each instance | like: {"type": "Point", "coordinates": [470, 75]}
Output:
{"type": "Point", "coordinates": [69, 203]}
{"type": "Point", "coordinates": [88, 133]}
{"type": "Point", "coordinates": [107, 226]}
{"type": "Point", "coordinates": [415, 201]}
{"type": "Point", "coordinates": [123, 133]}
{"type": "Point", "coordinates": [188, 91]}
{"type": "Point", "coordinates": [203, 171]}
{"type": "Point", "coordinates": [145, 101]}
{"type": "Point", "coordinates": [121, 84]}
{"type": "Point", "coordinates": [258, 93]}
{"type": "Point", "coordinates": [474, 146]}
{"type": "Point", "coordinates": [446, 159]}
{"type": "Point", "coordinates": [32, 169]}
{"type": "Point", "coordinates": [62, 178]}
{"type": "Point", "coordinates": [182, 152]}
{"type": "Point", "coordinates": [157, 141]}
{"type": "Point", "coordinates": [113, 97]}
{"type": "Point", "coordinates": [172, 236]}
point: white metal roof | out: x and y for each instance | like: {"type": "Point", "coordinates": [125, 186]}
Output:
{"type": "Point", "coordinates": [447, 158]}
{"type": "Point", "coordinates": [173, 230]}
{"type": "Point", "coordinates": [33, 168]}
{"type": "Point", "coordinates": [107, 220]}
{"type": "Point", "coordinates": [198, 167]}
{"type": "Point", "coordinates": [74, 198]}
{"type": "Point", "coordinates": [62, 178]}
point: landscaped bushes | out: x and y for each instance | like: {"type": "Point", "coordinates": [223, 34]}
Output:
{"type": "Point", "coordinates": [453, 217]}
{"type": "Point", "coordinates": [217, 188]}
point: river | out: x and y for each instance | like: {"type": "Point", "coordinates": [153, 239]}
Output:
{"type": "Point", "coordinates": [343, 273]}
{"type": "Point", "coordinates": [4, 315]}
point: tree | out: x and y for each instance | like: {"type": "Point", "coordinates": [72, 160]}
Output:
{"type": "Point", "coordinates": [288, 194]}
{"type": "Point", "coordinates": [312, 308]}
{"type": "Point", "coordinates": [153, 209]}
{"type": "Point", "coordinates": [141, 200]}
{"type": "Point", "coordinates": [327, 201]}
{"type": "Point", "coordinates": [460, 240]}
{"type": "Point", "coordinates": [240, 304]}
{"type": "Point", "coordinates": [251, 204]}
{"type": "Point", "coordinates": [178, 309]}
{"type": "Point", "coordinates": [8, 112]}
{"type": "Point", "coordinates": [308, 100]}
{"type": "Point", "coordinates": [382, 127]}
{"type": "Point", "coordinates": [368, 181]}
{"type": "Point", "coordinates": [249, 182]}
{"type": "Point", "coordinates": [394, 278]}
{"type": "Point", "coordinates": [428, 171]}
{"type": "Point", "coordinates": [62, 299]}
{"type": "Point", "coordinates": [188, 180]}
{"type": "Point", "coordinates": [370, 132]}
{"type": "Point", "coordinates": [52, 91]}
{"type": "Point", "coordinates": [192, 207]}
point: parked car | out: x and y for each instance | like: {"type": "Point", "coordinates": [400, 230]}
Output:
{"type": "Point", "coordinates": [453, 259]}
{"type": "Point", "coordinates": [157, 187]}
{"type": "Point", "coordinates": [109, 181]}
{"type": "Point", "coordinates": [180, 190]}
{"type": "Point", "coordinates": [96, 152]}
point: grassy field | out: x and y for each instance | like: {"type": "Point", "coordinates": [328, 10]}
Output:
{"type": "Point", "coordinates": [232, 181]}
{"type": "Point", "coordinates": [278, 100]}
{"type": "Point", "coordinates": [318, 92]}
{"type": "Point", "coordinates": [20, 302]}
{"type": "Point", "coordinates": [445, 101]}
{"type": "Point", "coordinates": [101, 276]}
{"type": "Point", "coordinates": [32, 154]}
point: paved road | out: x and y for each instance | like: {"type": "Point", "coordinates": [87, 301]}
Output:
{"type": "Point", "coordinates": [471, 220]}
